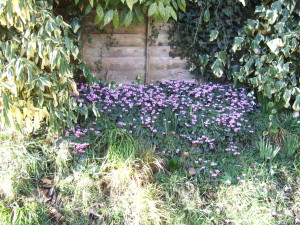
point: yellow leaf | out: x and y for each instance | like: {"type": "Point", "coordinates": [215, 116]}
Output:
{"type": "Point", "coordinates": [62, 80]}
{"type": "Point", "coordinates": [16, 6]}
{"type": "Point", "coordinates": [3, 20]}
{"type": "Point", "coordinates": [16, 112]}
{"type": "Point", "coordinates": [55, 103]}
{"type": "Point", "coordinates": [28, 125]}
{"type": "Point", "coordinates": [74, 88]}
{"type": "Point", "coordinates": [36, 120]}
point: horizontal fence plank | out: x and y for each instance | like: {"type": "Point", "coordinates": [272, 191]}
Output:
{"type": "Point", "coordinates": [171, 74]}
{"type": "Point", "coordinates": [103, 40]}
{"type": "Point", "coordinates": [115, 52]}
{"type": "Point", "coordinates": [165, 63]}
{"type": "Point", "coordinates": [116, 64]}
{"type": "Point", "coordinates": [160, 51]}
{"type": "Point", "coordinates": [120, 76]}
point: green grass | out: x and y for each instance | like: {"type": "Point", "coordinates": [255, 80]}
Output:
{"type": "Point", "coordinates": [127, 181]}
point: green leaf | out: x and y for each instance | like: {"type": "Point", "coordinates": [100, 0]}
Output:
{"type": "Point", "coordinates": [130, 3]}
{"type": "Point", "coordinates": [108, 17]}
{"type": "Point", "coordinates": [271, 16]}
{"type": "Point", "coordinates": [243, 2]}
{"type": "Point", "coordinates": [75, 25]}
{"type": "Point", "coordinates": [116, 19]}
{"type": "Point", "coordinates": [181, 5]}
{"type": "Point", "coordinates": [217, 68]}
{"type": "Point", "coordinates": [213, 35]}
{"type": "Point", "coordinates": [97, 19]}
{"type": "Point", "coordinates": [275, 44]}
{"type": "Point", "coordinates": [128, 18]}
{"type": "Point", "coordinates": [222, 55]}
{"type": "Point", "coordinates": [139, 14]}
{"type": "Point", "coordinates": [152, 9]}
{"type": "Point", "coordinates": [91, 3]}
{"type": "Point", "coordinates": [173, 13]}
{"type": "Point", "coordinates": [88, 9]}
{"type": "Point", "coordinates": [161, 9]}
{"type": "Point", "coordinates": [5, 100]}
{"type": "Point", "coordinates": [168, 10]}
{"type": "Point", "coordinates": [100, 14]}
{"type": "Point", "coordinates": [206, 16]}
{"type": "Point", "coordinates": [290, 5]}
{"type": "Point", "coordinates": [203, 60]}
{"type": "Point", "coordinates": [277, 6]}
{"type": "Point", "coordinates": [296, 105]}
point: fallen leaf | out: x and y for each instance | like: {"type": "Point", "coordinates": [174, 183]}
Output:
{"type": "Point", "coordinates": [192, 171]}
{"type": "Point", "coordinates": [59, 218]}
{"type": "Point", "coordinates": [45, 180]}
{"type": "Point", "coordinates": [185, 154]}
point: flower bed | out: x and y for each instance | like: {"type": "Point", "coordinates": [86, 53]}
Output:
{"type": "Point", "coordinates": [207, 116]}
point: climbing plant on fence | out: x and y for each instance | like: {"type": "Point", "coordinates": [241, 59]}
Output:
{"type": "Point", "coordinates": [270, 51]}
{"type": "Point", "coordinates": [205, 33]}
{"type": "Point", "coordinates": [254, 42]}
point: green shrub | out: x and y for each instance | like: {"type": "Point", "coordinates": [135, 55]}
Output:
{"type": "Point", "coordinates": [37, 55]}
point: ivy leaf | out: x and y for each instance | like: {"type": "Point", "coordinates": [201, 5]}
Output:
{"type": "Point", "coordinates": [277, 6]}
{"type": "Point", "coordinates": [296, 105]}
{"type": "Point", "coordinates": [75, 25]}
{"type": "Point", "coordinates": [243, 2]}
{"type": "Point", "coordinates": [213, 35]}
{"type": "Point", "coordinates": [152, 9]}
{"type": "Point", "coordinates": [275, 44]}
{"type": "Point", "coordinates": [237, 43]}
{"type": "Point", "coordinates": [217, 68]}
{"type": "Point", "coordinates": [203, 60]}
{"type": "Point", "coordinates": [271, 16]}
{"type": "Point", "coordinates": [290, 5]}
{"type": "Point", "coordinates": [222, 55]}
{"type": "Point", "coordinates": [108, 17]}
{"type": "Point", "coordinates": [206, 16]}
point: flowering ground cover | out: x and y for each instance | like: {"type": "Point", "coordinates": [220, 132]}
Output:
{"type": "Point", "coordinates": [208, 116]}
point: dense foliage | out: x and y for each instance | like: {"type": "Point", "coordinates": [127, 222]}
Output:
{"type": "Point", "coordinates": [256, 44]}
{"type": "Point", "coordinates": [37, 55]}
{"type": "Point", "coordinates": [124, 12]}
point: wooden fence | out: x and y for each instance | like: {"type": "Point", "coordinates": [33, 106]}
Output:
{"type": "Point", "coordinates": [124, 53]}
